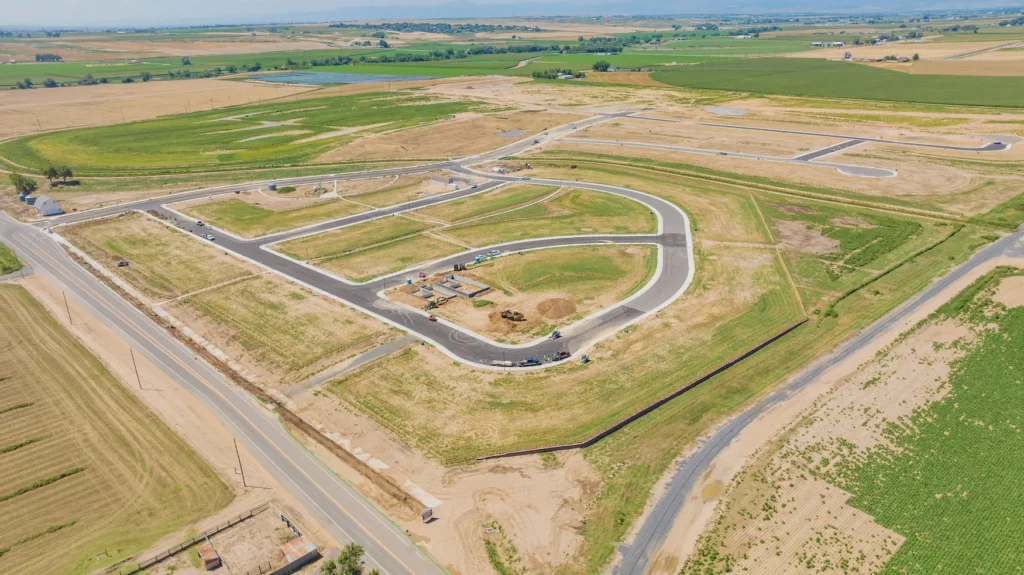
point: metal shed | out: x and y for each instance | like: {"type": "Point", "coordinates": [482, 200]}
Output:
{"type": "Point", "coordinates": [47, 206]}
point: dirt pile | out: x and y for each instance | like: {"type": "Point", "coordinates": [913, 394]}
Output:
{"type": "Point", "coordinates": [556, 308]}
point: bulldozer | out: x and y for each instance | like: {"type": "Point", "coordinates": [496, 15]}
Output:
{"type": "Point", "coordinates": [440, 301]}
{"type": "Point", "coordinates": [513, 315]}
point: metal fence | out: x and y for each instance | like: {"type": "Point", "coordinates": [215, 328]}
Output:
{"type": "Point", "coordinates": [651, 407]}
{"type": "Point", "coordinates": [160, 557]}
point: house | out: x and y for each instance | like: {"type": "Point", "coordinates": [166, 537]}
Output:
{"type": "Point", "coordinates": [743, 36]}
{"type": "Point", "coordinates": [47, 206]}
{"type": "Point", "coordinates": [838, 44]}
{"type": "Point", "coordinates": [816, 44]}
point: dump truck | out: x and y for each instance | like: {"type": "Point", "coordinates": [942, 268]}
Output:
{"type": "Point", "coordinates": [513, 315]}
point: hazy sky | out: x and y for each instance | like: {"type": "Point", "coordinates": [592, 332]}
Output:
{"type": "Point", "coordinates": [57, 13]}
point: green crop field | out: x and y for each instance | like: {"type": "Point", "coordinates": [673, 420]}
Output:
{"type": "Point", "coordinates": [115, 70]}
{"type": "Point", "coordinates": [968, 445]}
{"type": "Point", "coordinates": [255, 136]}
{"type": "Point", "coordinates": [8, 261]}
{"type": "Point", "coordinates": [249, 221]}
{"type": "Point", "coordinates": [827, 79]}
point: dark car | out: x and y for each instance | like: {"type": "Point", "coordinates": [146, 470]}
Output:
{"type": "Point", "coordinates": [530, 361]}
{"type": "Point", "coordinates": [562, 355]}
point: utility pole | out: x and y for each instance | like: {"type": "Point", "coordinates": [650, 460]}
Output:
{"type": "Point", "coordinates": [239, 457]}
{"type": "Point", "coordinates": [137, 378]}
{"type": "Point", "coordinates": [67, 307]}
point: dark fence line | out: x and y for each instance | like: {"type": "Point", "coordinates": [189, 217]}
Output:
{"type": "Point", "coordinates": [637, 415]}
{"type": "Point", "coordinates": [260, 569]}
{"type": "Point", "coordinates": [160, 557]}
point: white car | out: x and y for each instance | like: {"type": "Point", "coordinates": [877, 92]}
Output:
{"type": "Point", "coordinates": [494, 253]}
{"type": "Point", "coordinates": [210, 237]}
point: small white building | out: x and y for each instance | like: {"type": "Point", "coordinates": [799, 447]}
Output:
{"type": "Point", "coordinates": [838, 44]}
{"type": "Point", "coordinates": [816, 44]}
{"type": "Point", "coordinates": [47, 206]}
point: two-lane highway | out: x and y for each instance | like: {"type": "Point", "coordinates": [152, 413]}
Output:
{"type": "Point", "coordinates": [334, 503]}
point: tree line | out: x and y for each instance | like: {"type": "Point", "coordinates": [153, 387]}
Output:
{"type": "Point", "coordinates": [438, 27]}
{"type": "Point", "coordinates": [49, 58]}
{"type": "Point", "coordinates": [554, 73]}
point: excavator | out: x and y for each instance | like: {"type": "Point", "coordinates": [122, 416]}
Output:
{"type": "Point", "coordinates": [513, 315]}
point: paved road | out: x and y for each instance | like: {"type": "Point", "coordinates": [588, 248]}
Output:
{"type": "Point", "coordinates": [850, 169]}
{"type": "Point", "coordinates": [829, 150]}
{"type": "Point", "coordinates": [336, 505]}
{"type": "Point", "coordinates": [671, 279]}
{"type": "Point", "coordinates": [651, 535]}
{"type": "Point", "coordinates": [1003, 144]}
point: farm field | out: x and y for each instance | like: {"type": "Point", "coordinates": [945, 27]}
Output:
{"type": "Point", "coordinates": [256, 136]}
{"type": "Point", "coordinates": [114, 70]}
{"type": "Point", "coordinates": [552, 287]}
{"type": "Point", "coordinates": [883, 509]}
{"type": "Point", "coordinates": [85, 467]}
{"type": "Point", "coordinates": [248, 217]}
{"type": "Point", "coordinates": [825, 79]}
{"type": "Point", "coordinates": [9, 262]}
{"type": "Point", "coordinates": [163, 263]}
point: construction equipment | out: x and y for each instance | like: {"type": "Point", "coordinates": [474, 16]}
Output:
{"type": "Point", "coordinates": [440, 301]}
{"type": "Point", "coordinates": [513, 315]}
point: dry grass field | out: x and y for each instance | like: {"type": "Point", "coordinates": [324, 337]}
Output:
{"type": "Point", "coordinates": [163, 263]}
{"type": "Point", "coordinates": [278, 332]}
{"type": "Point", "coordinates": [25, 111]}
{"type": "Point", "coordinates": [464, 135]}
{"type": "Point", "coordinates": [88, 475]}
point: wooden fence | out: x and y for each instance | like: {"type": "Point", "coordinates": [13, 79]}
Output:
{"type": "Point", "coordinates": [160, 557]}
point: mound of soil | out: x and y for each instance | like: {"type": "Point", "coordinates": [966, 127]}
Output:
{"type": "Point", "coordinates": [556, 308]}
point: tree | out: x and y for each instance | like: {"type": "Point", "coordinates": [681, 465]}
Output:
{"type": "Point", "coordinates": [349, 562]}
{"type": "Point", "coordinates": [145, 76]}
{"type": "Point", "coordinates": [186, 61]}
{"type": "Point", "coordinates": [232, 69]}
{"type": "Point", "coordinates": [66, 173]}
{"type": "Point", "coordinates": [51, 174]}
{"type": "Point", "coordinates": [50, 83]}
{"type": "Point", "coordinates": [383, 44]}
{"type": "Point", "coordinates": [22, 184]}
{"type": "Point", "coordinates": [917, 57]}
{"type": "Point", "coordinates": [602, 66]}
{"type": "Point", "coordinates": [28, 83]}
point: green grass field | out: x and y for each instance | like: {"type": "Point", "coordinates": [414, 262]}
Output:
{"type": "Point", "coordinates": [250, 221]}
{"type": "Point", "coordinates": [582, 273]}
{"type": "Point", "coordinates": [9, 263]}
{"type": "Point", "coordinates": [244, 137]}
{"type": "Point", "coordinates": [335, 243]}
{"type": "Point", "coordinates": [574, 212]}
{"type": "Point", "coordinates": [388, 258]}
{"type": "Point", "coordinates": [503, 198]}
{"type": "Point", "coordinates": [827, 79]}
